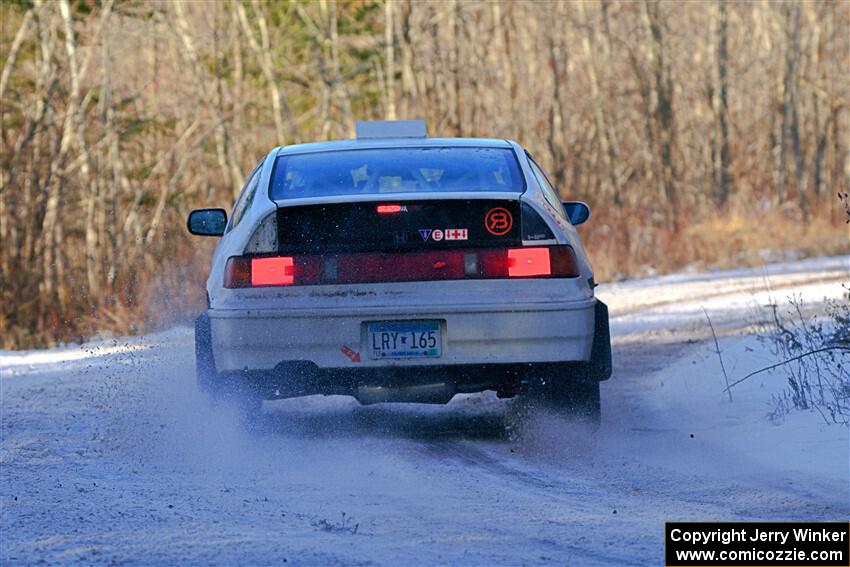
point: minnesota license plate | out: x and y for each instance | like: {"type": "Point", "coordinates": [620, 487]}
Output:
{"type": "Point", "coordinates": [404, 339]}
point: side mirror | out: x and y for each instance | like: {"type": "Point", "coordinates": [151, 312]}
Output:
{"type": "Point", "coordinates": [207, 222]}
{"type": "Point", "coordinates": [577, 211]}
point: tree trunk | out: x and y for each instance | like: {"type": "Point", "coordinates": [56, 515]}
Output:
{"type": "Point", "coordinates": [724, 174]}
{"type": "Point", "coordinates": [662, 109]}
{"type": "Point", "coordinates": [792, 58]}
{"type": "Point", "coordinates": [389, 55]}
{"type": "Point", "coordinates": [555, 138]}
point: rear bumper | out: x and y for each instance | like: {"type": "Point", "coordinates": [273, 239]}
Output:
{"type": "Point", "coordinates": [336, 338]}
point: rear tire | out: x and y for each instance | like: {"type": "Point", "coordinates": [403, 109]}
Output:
{"type": "Point", "coordinates": [572, 389]}
{"type": "Point", "coordinates": [568, 397]}
{"type": "Point", "coordinates": [230, 389]}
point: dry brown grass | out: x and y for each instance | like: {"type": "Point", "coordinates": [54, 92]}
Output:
{"type": "Point", "coordinates": [161, 296]}
{"type": "Point", "coordinates": [742, 237]}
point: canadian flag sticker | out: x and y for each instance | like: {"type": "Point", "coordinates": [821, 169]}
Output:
{"type": "Point", "coordinates": [456, 234]}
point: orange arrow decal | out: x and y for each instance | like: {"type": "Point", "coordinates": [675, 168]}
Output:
{"type": "Point", "coordinates": [354, 356]}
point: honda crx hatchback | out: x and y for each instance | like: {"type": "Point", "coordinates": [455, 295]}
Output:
{"type": "Point", "coordinates": [401, 268]}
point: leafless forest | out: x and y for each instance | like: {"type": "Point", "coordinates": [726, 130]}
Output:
{"type": "Point", "coordinates": [701, 133]}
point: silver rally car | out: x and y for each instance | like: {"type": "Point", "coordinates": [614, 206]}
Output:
{"type": "Point", "coordinates": [401, 268]}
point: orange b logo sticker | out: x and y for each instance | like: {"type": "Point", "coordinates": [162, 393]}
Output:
{"type": "Point", "coordinates": [498, 221]}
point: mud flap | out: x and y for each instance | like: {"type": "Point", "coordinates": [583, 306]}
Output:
{"type": "Point", "coordinates": [600, 366]}
{"type": "Point", "coordinates": [204, 361]}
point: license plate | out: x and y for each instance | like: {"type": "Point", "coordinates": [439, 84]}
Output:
{"type": "Point", "coordinates": [404, 339]}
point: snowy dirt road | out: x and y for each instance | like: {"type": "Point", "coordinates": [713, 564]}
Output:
{"type": "Point", "coordinates": [109, 456]}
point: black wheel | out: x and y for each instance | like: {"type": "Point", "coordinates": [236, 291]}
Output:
{"type": "Point", "coordinates": [568, 396]}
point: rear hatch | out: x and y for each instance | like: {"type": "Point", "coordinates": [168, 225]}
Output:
{"type": "Point", "coordinates": [398, 226]}
{"type": "Point", "coordinates": [386, 214]}
{"type": "Point", "coordinates": [404, 241]}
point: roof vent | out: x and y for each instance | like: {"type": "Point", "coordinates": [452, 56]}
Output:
{"type": "Point", "coordinates": [391, 129]}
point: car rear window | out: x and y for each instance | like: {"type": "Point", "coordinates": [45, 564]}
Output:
{"type": "Point", "coordinates": [396, 170]}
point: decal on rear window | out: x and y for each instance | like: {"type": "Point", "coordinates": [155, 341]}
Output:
{"type": "Point", "coordinates": [448, 234]}
{"type": "Point", "coordinates": [498, 221]}
{"type": "Point", "coordinates": [432, 223]}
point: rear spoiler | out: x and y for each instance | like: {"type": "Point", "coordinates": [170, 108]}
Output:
{"type": "Point", "coordinates": [410, 196]}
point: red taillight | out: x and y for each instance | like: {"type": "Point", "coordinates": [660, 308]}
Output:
{"type": "Point", "coordinates": [273, 271]}
{"type": "Point", "coordinates": [237, 272]}
{"type": "Point", "coordinates": [563, 262]}
{"type": "Point", "coordinates": [390, 209]}
{"type": "Point", "coordinates": [431, 265]}
{"type": "Point", "coordinates": [528, 262]}
{"type": "Point", "coordinates": [244, 271]}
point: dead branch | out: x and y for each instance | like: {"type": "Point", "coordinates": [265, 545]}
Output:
{"type": "Point", "coordinates": [778, 364]}
{"type": "Point", "coordinates": [719, 355]}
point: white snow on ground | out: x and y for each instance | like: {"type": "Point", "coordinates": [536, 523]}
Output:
{"type": "Point", "coordinates": [109, 456]}
{"type": "Point", "coordinates": [32, 359]}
